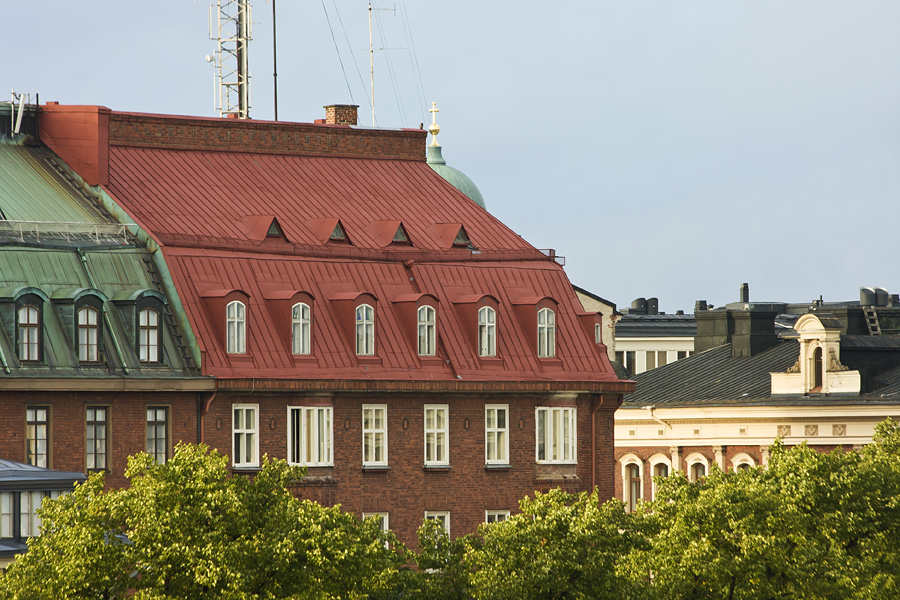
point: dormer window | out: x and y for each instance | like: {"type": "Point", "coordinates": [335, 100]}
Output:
{"type": "Point", "coordinates": [462, 239]}
{"type": "Point", "coordinates": [273, 231]}
{"type": "Point", "coordinates": [88, 334]}
{"type": "Point", "coordinates": [365, 330]}
{"type": "Point", "coordinates": [236, 328]}
{"type": "Point", "coordinates": [487, 331]}
{"type": "Point", "coordinates": [301, 326]}
{"type": "Point", "coordinates": [29, 333]}
{"type": "Point", "coordinates": [338, 235]}
{"type": "Point", "coordinates": [148, 335]}
{"type": "Point", "coordinates": [546, 333]}
{"type": "Point", "coordinates": [400, 236]}
{"type": "Point", "coordinates": [426, 317]}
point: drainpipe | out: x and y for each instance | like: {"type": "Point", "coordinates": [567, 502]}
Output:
{"type": "Point", "coordinates": [106, 319]}
{"type": "Point", "coordinates": [202, 409]}
{"type": "Point", "coordinates": [3, 361]}
{"type": "Point", "coordinates": [655, 418]}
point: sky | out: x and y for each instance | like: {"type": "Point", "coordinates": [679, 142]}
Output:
{"type": "Point", "coordinates": [667, 148]}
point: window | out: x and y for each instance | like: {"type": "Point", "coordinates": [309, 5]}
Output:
{"type": "Point", "coordinates": [301, 331]}
{"type": "Point", "coordinates": [337, 233]}
{"type": "Point", "coordinates": [374, 434]}
{"type": "Point", "coordinates": [310, 436]}
{"type": "Point", "coordinates": [88, 334]}
{"type": "Point", "coordinates": [496, 434]}
{"type": "Point", "coordinates": [598, 334]}
{"type": "Point", "coordinates": [245, 427]}
{"type": "Point", "coordinates": [651, 359]}
{"type": "Point", "coordinates": [36, 430]}
{"type": "Point", "coordinates": [662, 358]}
{"type": "Point", "coordinates": [441, 516]}
{"type": "Point", "coordinates": [682, 354]}
{"type": "Point", "coordinates": [148, 335]}
{"type": "Point", "coordinates": [659, 470]}
{"type": "Point", "coordinates": [96, 438]}
{"type": "Point", "coordinates": [546, 333]}
{"type": "Point", "coordinates": [26, 523]}
{"type": "Point", "coordinates": [697, 471]}
{"type": "Point", "coordinates": [158, 433]}
{"type": "Point", "coordinates": [495, 516]}
{"type": "Point", "coordinates": [426, 320]}
{"type": "Point", "coordinates": [436, 435]}
{"type": "Point", "coordinates": [556, 435]}
{"type": "Point", "coordinates": [627, 360]}
{"type": "Point", "coordinates": [487, 331]}
{"type": "Point", "coordinates": [29, 333]}
{"type": "Point", "coordinates": [236, 328]}
{"type": "Point", "coordinates": [633, 481]}
{"type": "Point", "coordinates": [365, 330]}
{"type": "Point", "coordinates": [6, 515]}
{"type": "Point", "coordinates": [381, 517]}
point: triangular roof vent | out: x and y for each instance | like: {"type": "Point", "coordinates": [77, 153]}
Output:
{"type": "Point", "coordinates": [338, 234]}
{"type": "Point", "coordinates": [274, 229]}
{"type": "Point", "coordinates": [462, 238]}
{"type": "Point", "coordinates": [400, 237]}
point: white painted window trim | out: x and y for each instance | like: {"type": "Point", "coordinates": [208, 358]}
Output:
{"type": "Point", "coordinates": [495, 431]}
{"type": "Point", "coordinates": [625, 462]}
{"type": "Point", "coordinates": [546, 330]}
{"type": "Point", "coordinates": [305, 413]}
{"type": "Point", "coordinates": [487, 331]}
{"type": "Point", "coordinates": [441, 516]}
{"type": "Point", "coordinates": [658, 459]}
{"type": "Point", "coordinates": [426, 329]}
{"type": "Point", "coordinates": [692, 459]}
{"type": "Point", "coordinates": [741, 459]}
{"type": "Point", "coordinates": [301, 329]}
{"type": "Point", "coordinates": [245, 431]}
{"type": "Point", "coordinates": [365, 330]}
{"type": "Point", "coordinates": [236, 328]}
{"type": "Point", "coordinates": [570, 414]}
{"type": "Point", "coordinates": [383, 518]}
{"type": "Point", "coordinates": [373, 432]}
{"type": "Point", "coordinates": [439, 433]}
{"type": "Point", "coordinates": [489, 514]}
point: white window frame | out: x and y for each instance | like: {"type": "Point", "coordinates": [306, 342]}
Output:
{"type": "Point", "coordinates": [555, 449]}
{"type": "Point", "coordinates": [28, 321]}
{"type": "Point", "coordinates": [372, 433]}
{"type": "Point", "coordinates": [236, 327]}
{"type": "Point", "coordinates": [301, 329]}
{"type": "Point", "coordinates": [742, 459]}
{"type": "Point", "coordinates": [496, 516]}
{"type": "Point", "coordinates": [88, 319]}
{"type": "Point", "coordinates": [365, 330]}
{"type": "Point", "coordinates": [694, 459]}
{"type": "Point", "coordinates": [496, 432]}
{"type": "Point", "coordinates": [546, 331]}
{"type": "Point", "coordinates": [383, 519]}
{"type": "Point", "coordinates": [487, 331]}
{"type": "Point", "coordinates": [441, 516]}
{"type": "Point", "coordinates": [148, 335]}
{"type": "Point", "coordinates": [314, 437]}
{"type": "Point", "coordinates": [598, 334]}
{"type": "Point", "coordinates": [426, 319]}
{"type": "Point", "coordinates": [245, 432]}
{"type": "Point", "coordinates": [626, 462]}
{"type": "Point", "coordinates": [439, 437]}
{"type": "Point", "coordinates": [29, 503]}
{"type": "Point", "coordinates": [655, 461]}
{"type": "Point", "coordinates": [7, 518]}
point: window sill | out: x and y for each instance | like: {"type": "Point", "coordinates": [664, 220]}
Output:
{"type": "Point", "coordinates": [375, 468]}
{"type": "Point", "coordinates": [244, 359]}
{"type": "Point", "coordinates": [551, 361]}
{"type": "Point", "coordinates": [557, 463]}
{"type": "Point", "coordinates": [431, 361]}
{"type": "Point", "coordinates": [498, 467]}
{"type": "Point", "coordinates": [436, 468]}
{"type": "Point", "coordinates": [246, 468]}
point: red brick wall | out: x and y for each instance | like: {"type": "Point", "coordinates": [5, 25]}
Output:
{"type": "Point", "coordinates": [407, 490]}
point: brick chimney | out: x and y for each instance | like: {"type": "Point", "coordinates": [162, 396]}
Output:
{"type": "Point", "coordinates": [340, 114]}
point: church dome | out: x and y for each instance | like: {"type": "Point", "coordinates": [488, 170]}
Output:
{"type": "Point", "coordinates": [454, 177]}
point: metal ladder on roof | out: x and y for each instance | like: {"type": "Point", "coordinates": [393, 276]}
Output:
{"type": "Point", "coordinates": [187, 356]}
{"type": "Point", "coordinates": [872, 321]}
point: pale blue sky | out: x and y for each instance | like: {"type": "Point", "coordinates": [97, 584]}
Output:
{"type": "Point", "coordinates": [667, 148]}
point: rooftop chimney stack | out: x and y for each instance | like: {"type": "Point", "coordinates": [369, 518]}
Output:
{"type": "Point", "coordinates": [745, 293]}
{"type": "Point", "coordinates": [340, 114]}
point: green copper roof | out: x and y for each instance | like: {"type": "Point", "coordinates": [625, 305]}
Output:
{"type": "Point", "coordinates": [454, 177]}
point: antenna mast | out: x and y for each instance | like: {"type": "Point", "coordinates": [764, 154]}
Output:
{"type": "Point", "coordinates": [372, 63]}
{"type": "Point", "coordinates": [231, 25]}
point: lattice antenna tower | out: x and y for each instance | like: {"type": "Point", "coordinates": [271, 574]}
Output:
{"type": "Point", "coordinates": [229, 27]}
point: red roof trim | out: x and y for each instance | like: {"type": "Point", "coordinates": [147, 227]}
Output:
{"type": "Point", "coordinates": [531, 300]}
{"type": "Point", "coordinates": [351, 296]}
{"type": "Point", "coordinates": [221, 293]}
{"type": "Point", "coordinates": [472, 298]}
{"type": "Point", "coordinates": [414, 298]}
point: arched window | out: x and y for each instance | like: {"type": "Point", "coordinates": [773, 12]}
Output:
{"type": "Point", "coordinates": [301, 329]}
{"type": "Point", "coordinates": [29, 333]}
{"type": "Point", "coordinates": [818, 369]}
{"type": "Point", "coordinates": [742, 462]}
{"type": "Point", "coordinates": [487, 331]}
{"type": "Point", "coordinates": [546, 333]}
{"type": "Point", "coordinates": [634, 485]}
{"type": "Point", "coordinates": [148, 335]}
{"type": "Point", "coordinates": [659, 470]}
{"type": "Point", "coordinates": [236, 328]}
{"type": "Point", "coordinates": [697, 471]}
{"type": "Point", "coordinates": [365, 330]}
{"type": "Point", "coordinates": [426, 320]}
{"type": "Point", "coordinates": [88, 334]}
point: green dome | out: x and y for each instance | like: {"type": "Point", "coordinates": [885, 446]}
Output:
{"type": "Point", "coordinates": [456, 178]}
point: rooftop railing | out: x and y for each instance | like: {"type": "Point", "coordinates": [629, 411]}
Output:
{"type": "Point", "coordinates": [71, 233]}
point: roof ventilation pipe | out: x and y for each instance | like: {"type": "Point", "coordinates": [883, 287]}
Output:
{"type": "Point", "coordinates": [652, 306]}
{"type": "Point", "coordinates": [639, 306]}
{"type": "Point", "coordinates": [881, 297]}
{"type": "Point", "coordinates": [745, 293]}
{"type": "Point", "coordinates": [867, 296]}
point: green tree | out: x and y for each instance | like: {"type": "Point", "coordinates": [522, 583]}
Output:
{"type": "Point", "coordinates": [188, 529]}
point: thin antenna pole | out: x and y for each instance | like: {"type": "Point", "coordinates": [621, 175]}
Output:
{"type": "Point", "coordinates": [372, 63]}
{"type": "Point", "coordinates": [274, 60]}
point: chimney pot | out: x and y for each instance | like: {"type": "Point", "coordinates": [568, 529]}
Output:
{"type": "Point", "coordinates": [745, 293]}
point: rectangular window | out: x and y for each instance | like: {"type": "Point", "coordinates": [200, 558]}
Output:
{"type": "Point", "coordinates": [598, 334]}
{"type": "Point", "coordinates": [6, 515]}
{"type": "Point", "coordinates": [496, 434]}
{"type": "Point", "coordinates": [29, 503]}
{"type": "Point", "coordinates": [375, 434]}
{"type": "Point", "coordinates": [158, 433]}
{"type": "Point", "coordinates": [309, 436]}
{"type": "Point", "coordinates": [495, 516]}
{"type": "Point", "coordinates": [96, 437]}
{"type": "Point", "coordinates": [245, 428]}
{"type": "Point", "coordinates": [651, 360]}
{"type": "Point", "coordinates": [36, 431]}
{"type": "Point", "coordinates": [630, 363]}
{"type": "Point", "coordinates": [381, 517]}
{"type": "Point", "coordinates": [441, 516]}
{"type": "Point", "coordinates": [556, 435]}
{"type": "Point", "coordinates": [437, 434]}
{"type": "Point", "coordinates": [148, 335]}
{"type": "Point", "coordinates": [682, 354]}
{"type": "Point", "coordinates": [662, 357]}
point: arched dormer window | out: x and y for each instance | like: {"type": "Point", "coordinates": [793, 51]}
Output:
{"type": "Point", "coordinates": [29, 333]}
{"type": "Point", "coordinates": [148, 335]}
{"type": "Point", "coordinates": [818, 370]}
{"type": "Point", "coordinates": [88, 334]}
{"type": "Point", "coordinates": [426, 321]}
{"type": "Point", "coordinates": [546, 330]}
{"type": "Point", "coordinates": [487, 331]}
{"type": "Point", "coordinates": [365, 330]}
{"type": "Point", "coordinates": [301, 329]}
{"type": "Point", "coordinates": [236, 328]}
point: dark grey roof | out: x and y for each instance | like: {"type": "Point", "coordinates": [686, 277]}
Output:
{"type": "Point", "coordinates": [632, 325]}
{"type": "Point", "coordinates": [871, 342]}
{"type": "Point", "coordinates": [19, 476]}
{"type": "Point", "coordinates": [713, 376]}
